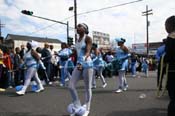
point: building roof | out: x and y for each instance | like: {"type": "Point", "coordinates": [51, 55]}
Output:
{"type": "Point", "coordinates": [29, 38]}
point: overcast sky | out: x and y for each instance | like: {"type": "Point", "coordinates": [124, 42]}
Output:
{"type": "Point", "coordinates": [123, 21]}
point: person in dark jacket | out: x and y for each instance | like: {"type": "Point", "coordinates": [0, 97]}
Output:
{"type": "Point", "coordinates": [170, 60]}
{"type": "Point", "coordinates": [16, 67]}
{"type": "Point", "coordinates": [46, 59]}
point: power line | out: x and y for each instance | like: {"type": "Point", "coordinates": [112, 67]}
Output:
{"type": "Point", "coordinates": [104, 8]}
{"type": "Point", "coordinates": [49, 26]}
{"type": "Point", "coordinates": [43, 28]}
{"type": "Point", "coordinates": [87, 12]}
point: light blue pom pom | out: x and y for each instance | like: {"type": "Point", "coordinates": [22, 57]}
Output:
{"type": "Point", "coordinates": [19, 87]}
{"type": "Point", "coordinates": [34, 87]}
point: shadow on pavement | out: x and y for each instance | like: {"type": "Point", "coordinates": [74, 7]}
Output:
{"type": "Point", "coordinates": [143, 112]}
{"type": "Point", "coordinates": [19, 114]}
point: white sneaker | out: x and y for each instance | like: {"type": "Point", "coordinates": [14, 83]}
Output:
{"type": "Point", "coordinates": [86, 113]}
{"type": "Point", "coordinates": [40, 90]}
{"type": "Point", "coordinates": [61, 85]}
{"type": "Point", "coordinates": [72, 114]}
{"type": "Point", "coordinates": [84, 105]}
{"type": "Point", "coordinates": [118, 91]}
{"type": "Point", "coordinates": [2, 90]}
{"type": "Point", "coordinates": [10, 87]}
{"type": "Point", "coordinates": [20, 92]}
{"type": "Point", "coordinates": [104, 85]}
{"type": "Point", "coordinates": [67, 79]}
{"type": "Point", "coordinates": [125, 88]}
{"type": "Point", "coordinates": [50, 83]}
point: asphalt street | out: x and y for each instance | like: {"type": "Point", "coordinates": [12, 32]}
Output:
{"type": "Point", "coordinates": [54, 100]}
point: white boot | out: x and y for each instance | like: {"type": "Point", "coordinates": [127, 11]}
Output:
{"type": "Point", "coordinates": [86, 113]}
{"type": "Point", "coordinates": [87, 107]}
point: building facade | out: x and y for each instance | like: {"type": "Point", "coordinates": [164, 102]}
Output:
{"type": "Point", "coordinates": [14, 41]}
{"type": "Point", "coordinates": [141, 48]}
{"type": "Point", "coordinates": [101, 39]}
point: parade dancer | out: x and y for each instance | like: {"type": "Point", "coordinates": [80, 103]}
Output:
{"type": "Point", "coordinates": [122, 54]}
{"type": "Point", "coordinates": [145, 66]}
{"type": "Point", "coordinates": [133, 64]}
{"type": "Point", "coordinates": [31, 62]}
{"type": "Point", "coordinates": [99, 65]}
{"type": "Point", "coordinates": [64, 55]}
{"type": "Point", "coordinates": [84, 68]}
{"type": "Point", "coordinates": [69, 66]}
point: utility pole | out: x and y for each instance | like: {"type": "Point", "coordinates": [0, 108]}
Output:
{"type": "Point", "coordinates": [75, 19]}
{"type": "Point", "coordinates": [147, 13]}
{"type": "Point", "coordinates": [1, 26]}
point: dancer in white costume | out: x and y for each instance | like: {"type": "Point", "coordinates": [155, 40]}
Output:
{"type": "Point", "coordinates": [99, 66]}
{"type": "Point", "coordinates": [122, 54]}
{"type": "Point", "coordinates": [84, 68]}
{"type": "Point", "coordinates": [31, 61]}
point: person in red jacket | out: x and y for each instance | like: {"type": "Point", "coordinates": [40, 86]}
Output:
{"type": "Point", "coordinates": [8, 67]}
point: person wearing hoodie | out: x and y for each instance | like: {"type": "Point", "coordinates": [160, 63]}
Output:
{"type": "Point", "coordinates": [170, 61]}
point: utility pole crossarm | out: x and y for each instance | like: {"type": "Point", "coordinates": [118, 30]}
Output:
{"type": "Point", "coordinates": [147, 13]}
